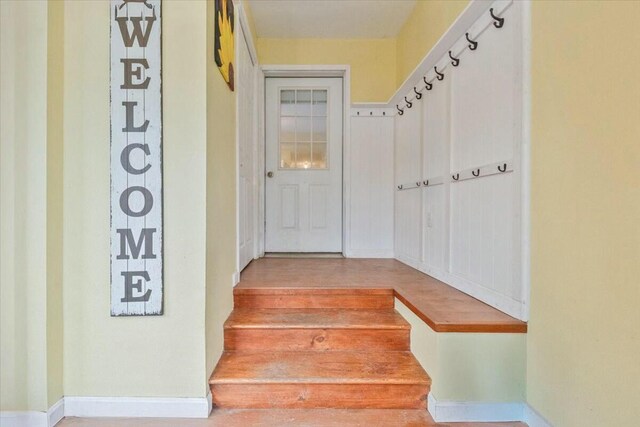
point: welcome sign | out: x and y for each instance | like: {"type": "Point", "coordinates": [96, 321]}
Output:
{"type": "Point", "coordinates": [136, 158]}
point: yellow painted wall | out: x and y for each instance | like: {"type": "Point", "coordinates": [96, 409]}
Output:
{"type": "Point", "coordinates": [134, 356]}
{"type": "Point", "coordinates": [372, 61]}
{"type": "Point", "coordinates": [584, 339]}
{"type": "Point", "coordinates": [55, 144]}
{"type": "Point", "coordinates": [220, 200]}
{"type": "Point", "coordinates": [30, 134]}
{"type": "Point", "coordinates": [426, 24]}
{"type": "Point", "coordinates": [469, 367]}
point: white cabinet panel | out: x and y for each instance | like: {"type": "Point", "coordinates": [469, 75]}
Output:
{"type": "Point", "coordinates": [372, 184]}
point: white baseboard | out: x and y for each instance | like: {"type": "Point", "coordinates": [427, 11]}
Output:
{"type": "Point", "coordinates": [23, 419]}
{"type": "Point", "coordinates": [235, 278]}
{"type": "Point", "coordinates": [55, 414]}
{"type": "Point", "coordinates": [157, 407]}
{"type": "Point", "coordinates": [534, 419]}
{"type": "Point", "coordinates": [33, 418]}
{"type": "Point", "coordinates": [447, 411]}
{"type": "Point", "coordinates": [369, 253]}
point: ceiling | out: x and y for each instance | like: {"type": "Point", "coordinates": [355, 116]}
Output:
{"type": "Point", "coordinates": [332, 19]}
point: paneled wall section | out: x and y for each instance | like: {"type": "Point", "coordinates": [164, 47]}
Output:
{"type": "Point", "coordinates": [458, 168]}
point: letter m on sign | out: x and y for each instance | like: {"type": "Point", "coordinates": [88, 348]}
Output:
{"type": "Point", "coordinates": [136, 158]}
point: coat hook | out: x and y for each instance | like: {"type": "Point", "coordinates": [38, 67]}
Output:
{"type": "Point", "coordinates": [454, 61]}
{"type": "Point", "coordinates": [426, 182]}
{"type": "Point", "coordinates": [439, 75]}
{"type": "Point", "coordinates": [455, 177]}
{"type": "Point", "coordinates": [503, 169]}
{"type": "Point", "coordinates": [400, 110]}
{"type": "Point", "coordinates": [399, 187]}
{"type": "Point", "coordinates": [475, 172]}
{"type": "Point", "coordinates": [427, 85]}
{"type": "Point", "coordinates": [409, 104]}
{"type": "Point", "coordinates": [473, 44]}
{"type": "Point", "coordinates": [418, 183]}
{"type": "Point", "coordinates": [418, 94]}
{"type": "Point", "coordinates": [499, 21]}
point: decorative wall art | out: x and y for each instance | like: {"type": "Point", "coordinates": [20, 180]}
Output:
{"type": "Point", "coordinates": [136, 158]}
{"type": "Point", "coordinates": [223, 46]}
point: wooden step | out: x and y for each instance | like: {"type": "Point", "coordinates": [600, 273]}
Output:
{"type": "Point", "coordinates": [320, 379]}
{"type": "Point", "coordinates": [316, 329]}
{"type": "Point", "coordinates": [348, 298]}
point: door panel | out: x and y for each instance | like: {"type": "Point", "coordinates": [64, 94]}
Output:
{"type": "Point", "coordinates": [245, 85]}
{"type": "Point", "coordinates": [303, 125]}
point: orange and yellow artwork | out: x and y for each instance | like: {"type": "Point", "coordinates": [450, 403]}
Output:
{"type": "Point", "coordinates": [223, 46]}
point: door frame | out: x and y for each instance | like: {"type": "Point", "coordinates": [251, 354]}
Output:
{"type": "Point", "coordinates": [340, 71]}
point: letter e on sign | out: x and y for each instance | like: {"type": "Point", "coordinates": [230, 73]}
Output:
{"type": "Point", "coordinates": [136, 158]}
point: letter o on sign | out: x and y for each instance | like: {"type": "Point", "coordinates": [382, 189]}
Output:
{"type": "Point", "coordinates": [124, 201]}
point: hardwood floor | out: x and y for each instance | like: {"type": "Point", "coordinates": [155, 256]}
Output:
{"type": "Point", "coordinates": [302, 348]}
{"type": "Point", "coordinates": [287, 418]}
{"type": "Point", "coordinates": [442, 307]}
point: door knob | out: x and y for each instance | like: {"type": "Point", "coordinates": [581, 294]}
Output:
{"type": "Point", "coordinates": [270, 174]}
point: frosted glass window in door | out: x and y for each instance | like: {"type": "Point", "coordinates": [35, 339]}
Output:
{"type": "Point", "coordinates": [303, 129]}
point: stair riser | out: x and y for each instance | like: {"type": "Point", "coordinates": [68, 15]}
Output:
{"type": "Point", "coordinates": [314, 301]}
{"type": "Point", "coordinates": [307, 396]}
{"type": "Point", "coordinates": [316, 339]}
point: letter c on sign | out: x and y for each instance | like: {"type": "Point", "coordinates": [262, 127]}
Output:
{"type": "Point", "coordinates": [124, 201]}
{"type": "Point", "coordinates": [126, 161]}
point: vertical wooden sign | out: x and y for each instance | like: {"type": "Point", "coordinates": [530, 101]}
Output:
{"type": "Point", "coordinates": [136, 158]}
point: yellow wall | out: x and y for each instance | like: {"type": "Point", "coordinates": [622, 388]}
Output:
{"type": "Point", "coordinates": [426, 24]}
{"type": "Point", "coordinates": [583, 340]}
{"type": "Point", "coordinates": [55, 138]}
{"type": "Point", "coordinates": [220, 200]}
{"type": "Point", "coordinates": [469, 367]}
{"type": "Point", "coordinates": [30, 323]}
{"type": "Point", "coordinates": [372, 61]}
{"type": "Point", "coordinates": [134, 356]}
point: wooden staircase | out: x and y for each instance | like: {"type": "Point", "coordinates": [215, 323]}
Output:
{"type": "Point", "coordinates": [317, 348]}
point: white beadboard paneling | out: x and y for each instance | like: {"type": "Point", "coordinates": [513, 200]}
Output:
{"type": "Point", "coordinates": [470, 228]}
{"type": "Point", "coordinates": [371, 214]}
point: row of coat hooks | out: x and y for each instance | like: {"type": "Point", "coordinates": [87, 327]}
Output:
{"type": "Point", "coordinates": [498, 22]}
{"type": "Point", "coordinates": [486, 170]}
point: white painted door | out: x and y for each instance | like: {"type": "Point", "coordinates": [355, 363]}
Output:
{"type": "Point", "coordinates": [304, 165]}
{"type": "Point", "coordinates": [245, 85]}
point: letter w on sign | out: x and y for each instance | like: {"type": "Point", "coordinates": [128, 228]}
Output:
{"type": "Point", "coordinates": [136, 158]}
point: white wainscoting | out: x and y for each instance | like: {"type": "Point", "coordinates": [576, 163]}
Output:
{"type": "Point", "coordinates": [461, 157]}
{"type": "Point", "coordinates": [371, 177]}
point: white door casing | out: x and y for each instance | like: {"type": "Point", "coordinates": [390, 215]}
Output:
{"type": "Point", "coordinates": [303, 162]}
{"type": "Point", "coordinates": [245, 86]}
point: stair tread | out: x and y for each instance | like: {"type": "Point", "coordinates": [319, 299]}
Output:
{"type": "Point", "coordinates": [315, 318]}
{"type": "Point", "coordinates": [337, 367]}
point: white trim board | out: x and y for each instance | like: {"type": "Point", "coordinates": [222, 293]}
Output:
{"type": "Point", "coordinates": [139, 407]}
{"type": "Point", "coordinates": [33, 418]}
{"type": "Point", "coordinates": [450, 411]}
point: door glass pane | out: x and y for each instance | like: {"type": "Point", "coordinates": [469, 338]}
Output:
{"type": "Point", "coordinates": [303, 155]}
{"type": "Point", "coordinates": [319, 156]}
{"type": "Point", "coordinates": [303, 102]}
{"type": "Point", "coordinates": [287, 156]}
{"type": "Point", "coordinates": [303, 129]}
{"type": "Point", "coordinates": [320, 102]}
{"type": "Point", "coordinates": [320, 129]}
{"type": "Point", "coordinates": [287, 129]}
{"type": "Point", "coordinates": [287, 102]}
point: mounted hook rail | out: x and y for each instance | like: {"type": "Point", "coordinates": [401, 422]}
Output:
{"type": "Point", "coordinates": [473, 45]}
{"type": "Point", "coordinates": [427, 85]}
{"type": "Point", "coordinates": [499, 22]}
{"type": "Point", "coordinates": [454, 61]}
{"type": "Point", "coordinates": [439, 75]}
{"type": "Point", "coordinates": [418, 94]}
